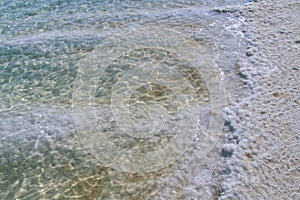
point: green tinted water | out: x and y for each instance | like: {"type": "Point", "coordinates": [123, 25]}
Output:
{"type": "Point", "coordinates": [50, 151]}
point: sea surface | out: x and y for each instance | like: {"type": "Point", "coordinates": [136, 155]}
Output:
{"type": "Point", "coordinates": [114, 99]}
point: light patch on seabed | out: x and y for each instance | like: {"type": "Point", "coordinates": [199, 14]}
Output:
{"type": "Point", "coordinates": [145, 64]}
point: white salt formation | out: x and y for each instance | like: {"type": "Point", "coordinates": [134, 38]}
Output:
{"type": "Point", "coordinates": [265, 125]}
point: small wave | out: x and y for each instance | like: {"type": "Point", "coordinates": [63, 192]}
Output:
{"type": "Point", "coordinates": [56, 34]}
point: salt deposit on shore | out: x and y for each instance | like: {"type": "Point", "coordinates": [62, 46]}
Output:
{"type": "Point", "coordinates": [265, 127]}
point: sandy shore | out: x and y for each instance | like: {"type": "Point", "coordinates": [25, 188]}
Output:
{"type": "Point", "coordinates": [265, 126]}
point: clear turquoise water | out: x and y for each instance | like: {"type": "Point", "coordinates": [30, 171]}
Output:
{"type": "Point", "coordinates": [43, 47]}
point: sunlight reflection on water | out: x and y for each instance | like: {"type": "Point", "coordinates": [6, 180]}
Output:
{"type": "Point", "coordinates": [43, 46]}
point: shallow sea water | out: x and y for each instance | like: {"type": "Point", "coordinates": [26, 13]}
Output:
{"type": "Point", "coordinates": [113, 99]}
